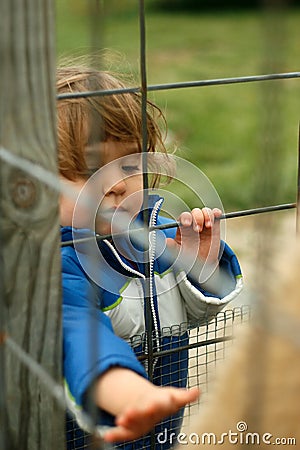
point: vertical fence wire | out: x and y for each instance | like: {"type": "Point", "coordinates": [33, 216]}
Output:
{"type": "Point", "coordinates": [96, 14]}
{"type": "Point", "coordinates": [145, 207]}
{"type": "Point", "coordinates": [3, 419]}
{"type": "Point", "coordinates": [298, 187]}
{"type": "Point", "coordinates": [97, 19]}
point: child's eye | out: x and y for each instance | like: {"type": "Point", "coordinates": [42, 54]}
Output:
{"type": "Point", "coordinates": [130, 168]}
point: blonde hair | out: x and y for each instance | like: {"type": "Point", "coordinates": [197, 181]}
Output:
{"type": "Point", "coordinates": [85, 121]}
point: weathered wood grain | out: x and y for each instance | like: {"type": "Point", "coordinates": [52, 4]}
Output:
{"type": "Point", "coordinates": [30, 303]}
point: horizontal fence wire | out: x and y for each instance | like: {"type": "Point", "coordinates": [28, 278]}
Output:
{"type": "Point", "coordinates": [51, 180]}
{"type": "Point", "coordinates": [51, 386]}
{"type": "Point", "coordinates": [176, 224]}
{"type": "Point", "coordinates": [183, 85]}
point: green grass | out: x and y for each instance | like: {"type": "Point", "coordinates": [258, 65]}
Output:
{"type": "Point", "coordinates": [243, 136]}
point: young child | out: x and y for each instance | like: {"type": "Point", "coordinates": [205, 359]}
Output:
{"type": "Point", "coordinates": [106, 300]}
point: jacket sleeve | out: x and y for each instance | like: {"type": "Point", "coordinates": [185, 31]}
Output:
{"type": "Point", "coordinates": [201, 305]}
{"type": "Point", "coordinates": [90, 346]}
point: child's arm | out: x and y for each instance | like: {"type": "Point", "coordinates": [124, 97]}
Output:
{"type": "Point", "coordinates": [121, 390]}
{"type": "Point", "coordinates": [137, 403]}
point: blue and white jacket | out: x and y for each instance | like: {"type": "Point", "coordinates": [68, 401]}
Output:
{"type": "Point", "coordinates": [104, 309]}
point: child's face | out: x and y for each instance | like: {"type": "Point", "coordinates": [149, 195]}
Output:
{"type": "Point", "coordinates": [116, 182]}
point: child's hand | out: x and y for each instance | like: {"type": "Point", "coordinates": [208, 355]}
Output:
{"type": "Point", "coordinates": [137, 404]}
{"type": "Point", "coordinates": [198, 235]}
{"type": "Point", "coordinates": [156, 404]}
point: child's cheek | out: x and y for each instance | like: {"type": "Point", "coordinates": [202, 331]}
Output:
{"type": "Point", "coordinates": [138, 195]}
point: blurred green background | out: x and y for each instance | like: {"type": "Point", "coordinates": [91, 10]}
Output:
{"type": "Point", "coordinates": [244, 137]}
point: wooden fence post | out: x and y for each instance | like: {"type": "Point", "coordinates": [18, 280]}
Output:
{"type": "Point", "coordinates": [31, 296]}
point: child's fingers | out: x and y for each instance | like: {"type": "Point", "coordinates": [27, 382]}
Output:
{"type": "Point", "coordinates": [209, 217]}
{"type": "Point", "coordinates": [184, 396]}
{"type": "Point", "coordinates": [192, 394]}
{"type": "Point", "coordinates": [198, 219]}
{"type": "Point", "coordinates": [194, 218]}
{"type": "Point", "coordinates": [135, 422]}
{"type": "Point", "coordinates": [217, 212]}
{"type": "Point", "coordinates": [186, 219]}
{"type": "Point", "coordinates": [131, 416]}
{"type": "Point", "coordinates": [118, 434]}
{"type": "Point", "coordinates": [169, 401]}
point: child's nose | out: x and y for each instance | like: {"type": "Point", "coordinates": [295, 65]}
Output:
{"type": "Point", "coordinates": [113, 183]}
{"type": "Point", "coordinates": [118, 188]}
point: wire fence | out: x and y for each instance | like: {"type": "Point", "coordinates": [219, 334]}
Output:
{"type": "Point", "coordinates": [205, 344]}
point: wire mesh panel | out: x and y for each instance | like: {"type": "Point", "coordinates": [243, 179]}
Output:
{"type": "Point", "coordinates": [202, 347]}
{"type": "Point", "coordinates": [208, 347]}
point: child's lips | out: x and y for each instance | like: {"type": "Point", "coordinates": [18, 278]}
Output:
{"type": "Point", "coordinates": [112, 213]}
